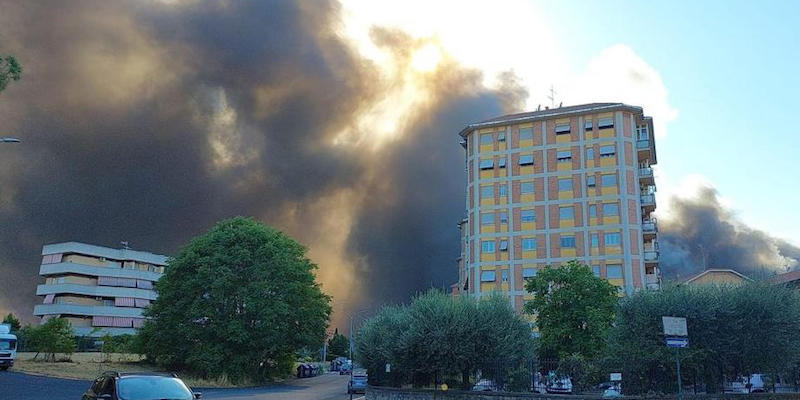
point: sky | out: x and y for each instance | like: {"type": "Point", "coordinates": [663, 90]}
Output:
{"type": "Point", "coordinates": [337, 123]}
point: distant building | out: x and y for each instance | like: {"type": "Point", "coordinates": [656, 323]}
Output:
{"type": "Point", "coordinates": [788, 278]}
{"type": "Point", "coordinates": [553, 185]}
{"type": "Point", "coordinates": [97, 287]}
{"type": "Point", "coordinates": [717, 276]}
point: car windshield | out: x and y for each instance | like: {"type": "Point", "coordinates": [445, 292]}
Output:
{"type": "Point", "coordinates": [359, 379]}
{"type": "Point", "coordinates": [152, 388]}
{"type": "Point", "coordinates": [8, 344]}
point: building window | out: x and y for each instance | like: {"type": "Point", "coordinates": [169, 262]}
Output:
{"type": "Point", "coordinates": [566, 212]}
{"type": "Point", "coordinates": [590, 154]}
{"type": "Point", "coordinates": [504, 245]}
{"type": "Point", "coordinates": [568, 242]}
{"type": "Point", "coordinates": [565, 185]}
{"type": "Point", "coordinates": [526, 159]}
{"type": "Point", "coordinates": [596, 270]}
{"type": "Point", "coordinates": [526, 134]}
{"type": "Point", "coordinates": [591, 181]}
{"type": "Point", "coordinates": [501, 137]}
{"type": "Point", "coordinates": [641, 133]}
{"type": "Point", "coordinates": [613, 271]}
{"type": "Point", "coordinates": [608, 180]}
{"type": "Point", "coordinates": [527, 216]}
{"type": "Point", "coordinates": [526, 187]}
{"type": "Point", "coordinates": [503, 191]}
{"type": "Point", "coordinates": [487, 246]}
{"type": "Point", "coordinates": [612, 239]}
{"type": "Point", "coordinates": [595, 240]}
{"type": "Point", "coordinates": [605, 123]}
{"type": "Point", "coordinates": [587, 125]}
{"type": "Point", "coordinates": [487, 219]}
{"type": "Point", "coordinates": [528, 272]}
{"type": "Point", "coordinates": [486, 139]}
{"type": "Point", "coordinates": [592, 211]}
{"type": "Point", "coordinates": [503, 218]}
{"type": "Point", "coordinates": [562, 129]}
{"type": "Point", "coordinates": [501, 162]}
{"type": "Point", "coordinates": [564, 156]}
{"type": "Point", "coordinates": [610, 209]}
{"type": "Point", "coordinates": [528, 244]}
{"type": "Point", "coordinates": [487, 164]}
{"type": "Point", "coordinates": [504, 275]}
{"type": "Point", "coordinates": [487, 191]}
{"type": "Point", "coordinates": [487, 276]}
{"type": "Point", "coordinates": [607, 151]}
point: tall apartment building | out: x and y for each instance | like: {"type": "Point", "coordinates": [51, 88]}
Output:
{"type": "Point", "coordinates": [553, 185]}
{"type": "Point", "coordinates": [97, 287]}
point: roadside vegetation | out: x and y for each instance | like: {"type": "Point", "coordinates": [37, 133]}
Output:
{"type": "Point", "coordinates": [438, 338]}
{"type": "Point", "coordinates": [237, 303]}
{"type": "Point", "coordinates": [586, 331]}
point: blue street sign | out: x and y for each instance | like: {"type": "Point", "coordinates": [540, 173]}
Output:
{"type": "Point", "coordinates": [677, 341]}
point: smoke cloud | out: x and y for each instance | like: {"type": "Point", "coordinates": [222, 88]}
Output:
{"type": "Point", "coordinates": [701, 233]}
{"type": "Point", "coordinates": [150, 121]}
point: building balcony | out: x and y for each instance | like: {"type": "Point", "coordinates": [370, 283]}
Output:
{"type": "Point", "coordinates": [652, 281]}
{"type": "Point", "coordinates": [651, 256]}
{"type": "Point", "coordinates": [646, 176]}
{"type": "Point", "coordinates": [90, 270]}
{"type": "Point", "coordinates": [85, 310]}
{"type": "Point", "coordinates": [649, 228]}
{"type": "Point", "coordinates": [648, 203]}
{"type": "Point", "coordinates": [95, 291]}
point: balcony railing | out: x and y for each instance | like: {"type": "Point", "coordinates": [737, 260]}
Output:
{"type": "Point", "coordinates": [643, 144]}
{"type": "Point", "coordinates": [651, 278]}
{"type": "Point", "coordinates": [649, 225]}
{"type": "Point", "coordinates": [648, 200]}
{"type": "Point", "coordinates": [645, 172]}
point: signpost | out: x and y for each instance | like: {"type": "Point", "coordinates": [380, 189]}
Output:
{"type": "Point", "coordinates": [677, 336]}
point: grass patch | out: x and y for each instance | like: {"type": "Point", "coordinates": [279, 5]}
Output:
{"type": "Point", "coordinates": [88, 366]}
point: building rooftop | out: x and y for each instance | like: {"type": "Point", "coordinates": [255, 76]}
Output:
{"type": "Point", "coordinates": [785, 277]}
{"type": "Point", "coordinates": [712, 270]}
{"type": "Point", "coordinates": [548, 113]}
{"type": "Point", "coordinates": [107, 252]}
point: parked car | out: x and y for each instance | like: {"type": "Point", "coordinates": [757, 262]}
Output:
{"type": "Point", "coordinates": [138, 386]}
{"type": "Point", "coordinates": [357, 384]}
{"type": "Point", "coordinates": [562, 385]}
{"type": "Point", "coordinates": [485, 385]}
{"type": "Point", "coordinates": [345, 368]}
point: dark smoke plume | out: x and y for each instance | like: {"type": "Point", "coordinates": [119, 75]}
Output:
{"type": "Point", "coordinates": [149, 121]}
{"type": "Point", "coordinates": [701, 233]}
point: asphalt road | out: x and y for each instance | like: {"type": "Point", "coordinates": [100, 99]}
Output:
{"type": "Point", "coordinates": [18, 386]}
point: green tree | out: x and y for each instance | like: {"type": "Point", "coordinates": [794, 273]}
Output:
{"type": "Point", "coordinates": [51, 338]}
{"type": "Point", "coordinates": [238, 301]}
{"type": "Point", "coordinates": [338, 345]}
{"type": "Point", "coordinates": [733, 331]}
{"type": "Point", "coordinates": [573, 309]}
{"type": "Point", "coordinates": [12, 320]}
{"type": "Point", "coordinates": [10, 70]}
{"type": "Point", "coordinates": [440, 338]}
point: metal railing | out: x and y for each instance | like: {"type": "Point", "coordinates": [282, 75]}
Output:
{"type": "Point", "coordinates": [643, 144]}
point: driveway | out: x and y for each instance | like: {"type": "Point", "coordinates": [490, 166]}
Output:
{"type": "Point", "coordinates": [19, 386]}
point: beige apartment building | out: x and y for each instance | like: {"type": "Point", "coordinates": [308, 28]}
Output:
{"type": "Point", "coordinates": [97, 289]}
{"type": "Point", "coordinates": [554, 185]}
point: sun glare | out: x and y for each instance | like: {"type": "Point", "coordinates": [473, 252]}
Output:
{"type": "Point", "coordinates": [427, 58]}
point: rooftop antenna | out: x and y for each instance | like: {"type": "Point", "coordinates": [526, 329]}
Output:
{"type": "Point", "coordinates": [539, 108]}
{"type": "Point", "coordinates": [552, 96]}
{"type": "Point", "coordinates": [125, 245]}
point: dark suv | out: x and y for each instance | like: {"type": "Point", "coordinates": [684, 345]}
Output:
{"type": "Point", "coordinates": [138, 386]}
